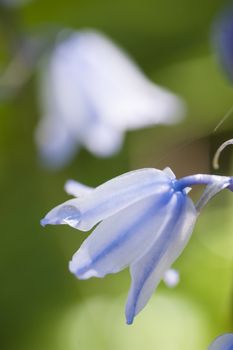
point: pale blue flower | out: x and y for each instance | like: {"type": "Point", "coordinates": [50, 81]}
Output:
{"type": "Point", "coordinates": [145, 220]}
{"type": "Point", "coordinates": [223, 342]}
{"type": "Point", "coordinates": [91, 93]}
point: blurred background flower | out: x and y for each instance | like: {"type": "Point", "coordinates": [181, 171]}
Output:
{"type": "Point", "coordinates": [42, 305]}
{"type": "Point", "coordinates": [14, 3]}
{"type": "Point", "coordinates": [223, 342]}
{"type": "Point", "coordinates": [222, 39]}
{"type": "Point", "coordinates": [91, 93]}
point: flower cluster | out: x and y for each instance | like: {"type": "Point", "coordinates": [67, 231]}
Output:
{"type": "Point", "coordinates": [145, 218]}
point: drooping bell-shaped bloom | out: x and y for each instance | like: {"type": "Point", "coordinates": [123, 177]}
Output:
{"type": "Point", "coordinates": [145, 218]}
{"type": "Point", "coordinates": [223, 342]}
{"type": "Point", "coordinates": [91, 93]}
{"type": "Point", "coordinates": [222, 38]}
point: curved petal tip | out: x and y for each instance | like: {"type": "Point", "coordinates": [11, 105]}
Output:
{"type": "Point", "coordinates": [44, 222]}
{"type": "Point", "coordinates": [82, 272]}
{"type": "Point", "coordinates": [129, 320]}
{"type": "Point", "coordinates": [61, 215]}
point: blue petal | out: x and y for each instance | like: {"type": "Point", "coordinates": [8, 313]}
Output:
{"type": "Point", "coordinates": [110, 198]}
{"type": "Point", "coordinates": [147, 271]}
{"type": "Point", "coordinates": [224, 342]}
{"type": "Point", "coordinates": [122, 238]}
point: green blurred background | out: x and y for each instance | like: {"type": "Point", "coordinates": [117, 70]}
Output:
{"type": "Point", "coordinates": [42, 306]}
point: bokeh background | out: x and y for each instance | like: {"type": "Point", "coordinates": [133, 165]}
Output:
{"type": "Point", "coordinates": [42, 306]}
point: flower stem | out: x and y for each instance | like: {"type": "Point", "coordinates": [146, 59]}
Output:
{"type": "Point", "coordinates": [201, 179]}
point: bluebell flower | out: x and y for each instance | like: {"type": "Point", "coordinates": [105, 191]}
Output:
{"type": "Point", "coordinates": [145, 218]}
{"type": "Point", "coordinates": [222, 37]}
{"type": "Point", "coordinates": [91, 93]}
{"type": "Point", "coordinates": [223, 342]}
